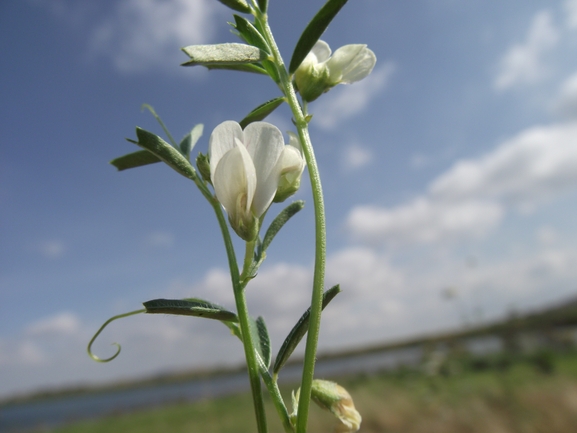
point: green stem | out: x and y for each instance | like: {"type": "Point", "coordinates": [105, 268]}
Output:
{"type": "Point", "coordinates": [244, 320]}
{"type": "Point", "coordinates": [276, 397]}
{"type": "Point", "coordinates": [320, 229]}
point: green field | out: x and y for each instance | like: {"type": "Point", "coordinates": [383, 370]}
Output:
{"type": "Point", "coordinates": [536, 395]}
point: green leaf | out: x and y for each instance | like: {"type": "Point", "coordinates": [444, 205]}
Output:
{"type": "Point", "coordinates": [237, 5]}
{"type": "Point", "coordinates": [134, 159]}
{"type": "Point", "coordinates": [299, 330]}
{"type": "Point", "coordinates": [263, 5]}
{"type": "Point", "coordinates": [161, 123]}
{"type": "Point", "coordinates": [223, 54]}
{"type": "Point", "coordinates": [190, 139]}
{"type": "Point", "coordinates": [250, 34]}
{"type": "Point", "coordinates": [190, 307]}
{"type": "Point", "coordinates": [281, 219]}
{"type": "Point", "coordinates": [165, 152]}
{"type": "Point", "coordinates": [313, 31]}
{"type": "Point", "coordinates": [247, 67]}
{"type": "Point", "coordinates": [262, 111]}
{"type": "Point", "coordinates": [260, 337]}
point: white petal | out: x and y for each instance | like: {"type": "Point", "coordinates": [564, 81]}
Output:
{"type": "Point", "coordinates": [221, 141]}
{"type": "Point", "coordinates": [321, 51]}
{"type": "Point", "coordinates": [351, 63]}
{"type": "Point", "coordinates": [294, 141]}
{"type": "Point", "coordinates": [291, 161]}
{"type": "Point", "coordinates": [235, 182]}
{"type": "Point", "coordinates": [265, 144]}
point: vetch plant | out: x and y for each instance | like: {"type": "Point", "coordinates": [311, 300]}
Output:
{"type": "Point", "coordinates": [247, 170]}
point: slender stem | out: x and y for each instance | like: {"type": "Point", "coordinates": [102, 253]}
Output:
{"type": "Point", "coordinates": [244, 320]}
{"type": "Point", "coordinates": [248, 258]}
{"type": "Point", "coordinates": [276, 397]}
{"type": "Point", "coordinates": [320, 230]}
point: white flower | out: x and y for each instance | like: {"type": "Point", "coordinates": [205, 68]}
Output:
{"type": "Point", "coordinates": [319, 72]}
{"type": "Point", "coordinates": [245, 168]}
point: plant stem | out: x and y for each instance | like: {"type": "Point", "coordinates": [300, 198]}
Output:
{"type": "Point", "coordinates": [244, 320]}
{"type": "Point", "coordinates": [320, 229]}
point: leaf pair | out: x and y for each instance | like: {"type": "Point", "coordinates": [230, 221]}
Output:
{"type": "Point", "coordinates": [156, 149]}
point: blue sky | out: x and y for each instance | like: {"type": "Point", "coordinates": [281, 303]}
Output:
{"type": "Point", "coordinates": [454, 165]}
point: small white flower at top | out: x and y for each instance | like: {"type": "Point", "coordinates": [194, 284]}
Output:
{"type": "Point", "coordinates": [320, 71]}
{"type": "Point", "coordinates": [245, 170]}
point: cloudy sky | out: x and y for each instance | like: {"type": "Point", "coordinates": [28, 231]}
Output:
{"type": "Point", "coordinates": [453, 166]}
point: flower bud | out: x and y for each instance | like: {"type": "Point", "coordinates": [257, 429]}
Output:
{"type": "Point", "coordinates": [292, 166]}
{"type": "Point", "coordinates": [334, 398]}
{"type": "Point", "coordinates": [203, 166]}
{"type": "Point", "coordinates": [319, 72]}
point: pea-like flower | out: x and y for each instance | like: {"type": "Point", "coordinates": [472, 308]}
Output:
{"type": "Point", "coordinates": [320, 71]}
{"type": "Point", "coordinates": [245, 169]}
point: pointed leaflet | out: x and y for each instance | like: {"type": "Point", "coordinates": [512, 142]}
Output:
{"type": "Point", "coordinates": [250, 34]}
{"type": "Point", "coordinates": [263, 5]}
{"type": "Point", "coordinates": [299, 330]}
{"type": "Point", "coordinates": [262, 111]}
{"type": "Point", "coordinates": [135, 159]}
{"type": "Point", "coordinates": [274, 228]}
{"type": "Point", "coordinates": [190, 139]}
{"type": "Point", "coordinates": [246, 67]}
{"type": "Point", "coordinates": [165, 152]}
{"type": "Point", "coordinates": [222, 54]}
{"type": "Point", "coordinates": [237, 5]}
{"type": "Point", "coordinates": [281, 219]}
{"type": "Point", "coordinates": [160, 122]}
{"type": "Point", "coordinates": [189, 307]}
{"type": "Point", "coordinates": [260, 338]}
{"type": "Point", "coordinates": [313, 31]}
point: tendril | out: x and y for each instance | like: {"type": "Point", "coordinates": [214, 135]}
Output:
{"type": "Point", "coordinates": [120, 316]}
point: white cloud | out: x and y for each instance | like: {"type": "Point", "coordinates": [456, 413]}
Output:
{"type": "Point", "coordinates": [355, 157]}
{"type": "Point", "coordinates": [63, 323]}
{"type": "Point", "coordinates": [471, 198]}
{"type": "Point", "coordinates": [533, 166]}
{"type": "Point", "coordinates": [52, 249]}
{"type": "Point", "coordinates": [343, 102]}
{"type": "Point", "coordinates": [424, 220]}
{"type": "Point", "coordinates": [160, 239]}
{"type": "Point", "coordinates": [571, 16]}
{"type": "Point", "coordinates": [565, 103]}
{"type": "Point", "coordinates": [524, 63]}
{"type": "Point", "coordinates": [149, 33]}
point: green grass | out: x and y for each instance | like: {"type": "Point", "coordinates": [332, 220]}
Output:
{"type": "Point", "coordinates": [519, 399]}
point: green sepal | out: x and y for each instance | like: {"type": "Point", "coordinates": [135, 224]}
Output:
{"type": "Point", "coordinates": [313, 32]}
{"type": "Point", "coordinates": [250, 34]}
{"type": "Point", "coordinates": [263, 5]}
{"type": "Point", "coordinates": [246, 67]}
{"type": "Point", "coordinates": [190, 139]}
{"type": "Point", "coordinates": [134, 159]}
{"type": "Point", "coordinates": [237, 5]}
{"type": "Point", "coordinates": [223, 54]}
{"type": "Point", "coordinates": [299, 330]}
{"type": "Point", "coordinates": [203, 165]}
{"type": "Point", "coordinates": [260, 338]}
{"type": "Point", "coordinates": [165, 152]}
{"type": "Point", "coordinates": [262, 111]}
{"type": "Point", "coordinates": [190, 307]}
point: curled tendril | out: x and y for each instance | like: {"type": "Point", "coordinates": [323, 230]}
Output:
{"type": "Point", "coordinates": [120, 316]}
